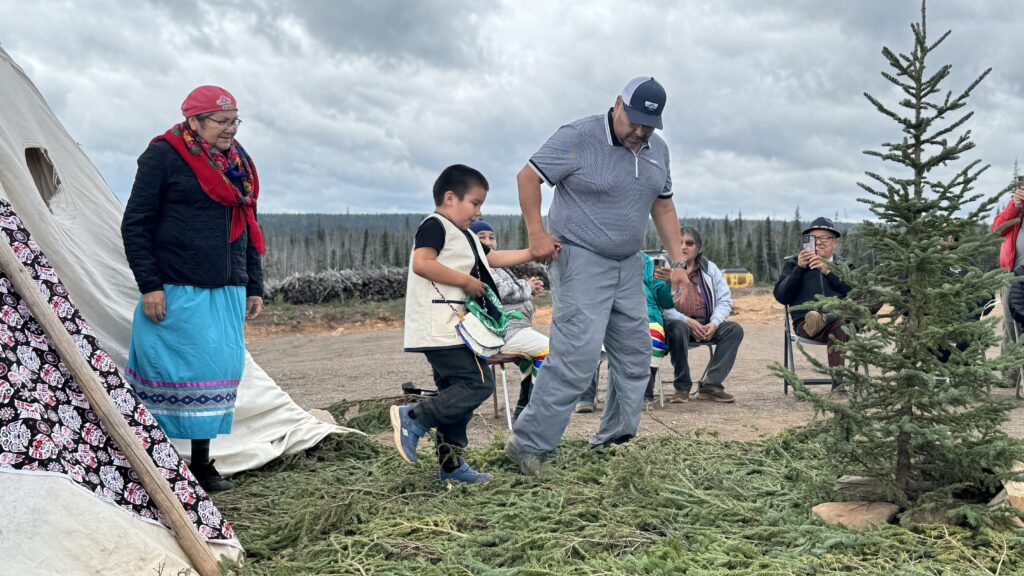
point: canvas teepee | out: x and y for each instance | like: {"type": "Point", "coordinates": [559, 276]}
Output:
{"type": "Point", "coordinates": [70, 505]}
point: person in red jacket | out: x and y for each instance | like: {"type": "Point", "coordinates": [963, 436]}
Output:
{"type": "Point", "coordinates": [1011, 255]}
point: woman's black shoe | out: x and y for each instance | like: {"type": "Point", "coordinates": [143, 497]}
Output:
{"type": "Point", "coordinates": [209, 478]}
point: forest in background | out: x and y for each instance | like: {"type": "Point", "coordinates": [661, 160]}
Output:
{"type": "Point", "coordinates": [306, 243]}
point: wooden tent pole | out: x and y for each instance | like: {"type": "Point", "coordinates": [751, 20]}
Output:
{"type": "Point", "coordinates": [195, 547]}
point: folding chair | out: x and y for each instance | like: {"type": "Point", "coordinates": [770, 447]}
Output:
{"type": "Point", "coordinates": [499, 361]}
{"type": "Point", "coordinates": [788, 358]}
{"type": "Point", "coordinates": [691, 346]}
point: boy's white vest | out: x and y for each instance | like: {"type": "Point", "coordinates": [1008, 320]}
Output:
{"type": "Point", "coordinates": [429, 320]}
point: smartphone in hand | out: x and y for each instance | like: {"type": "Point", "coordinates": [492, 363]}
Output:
{"type": "Point", "coordinates": [810, 243]}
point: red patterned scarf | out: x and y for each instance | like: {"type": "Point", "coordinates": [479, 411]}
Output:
{"type": "Point", "coordinates": [212, 168]}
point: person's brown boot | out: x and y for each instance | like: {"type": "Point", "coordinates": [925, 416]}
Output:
{"type": "Point", "coordinates": [715, 396]}
{"type": "Point", "coordinates": [814, 322]}
{"type": "Point", "coordinates": [680, 397]}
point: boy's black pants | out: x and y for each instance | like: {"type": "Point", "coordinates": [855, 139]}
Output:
{"type": "Point", "coordinates": [463, 383]}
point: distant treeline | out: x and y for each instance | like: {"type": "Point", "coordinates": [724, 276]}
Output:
{"type": "Point", "coordinates": [301, 243]}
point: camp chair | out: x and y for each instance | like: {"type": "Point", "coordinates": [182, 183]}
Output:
{"type": "Point", "coordinates": [499, 361]}
{"type": "Point", "coordinates": [691, 346]}
{"type": "Point", "coordinates": [788, 358]}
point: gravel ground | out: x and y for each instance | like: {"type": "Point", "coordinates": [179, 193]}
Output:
{"type": "Point", "coordinates": [320, 367]}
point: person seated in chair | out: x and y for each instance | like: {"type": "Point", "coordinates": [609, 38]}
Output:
{"type": "Point", "coordinates": [700, 318]}
{"type": "Point", "coordinates": [516, 295]}
{"type": "Point", "coordinates": [809, 274]}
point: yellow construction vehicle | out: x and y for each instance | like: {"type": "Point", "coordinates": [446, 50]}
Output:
{"type": "Point", "coordinates": [738, 277]}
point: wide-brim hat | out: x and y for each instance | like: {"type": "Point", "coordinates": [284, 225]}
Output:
{"type": "Point", "coordinates": [823, 223]}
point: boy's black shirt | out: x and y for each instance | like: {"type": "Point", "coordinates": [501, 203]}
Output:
{"type": "Point", "coordinates": [431, 234]}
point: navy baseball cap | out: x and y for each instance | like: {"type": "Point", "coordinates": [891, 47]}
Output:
{"type": "Point", "coordinates": [644, 100]}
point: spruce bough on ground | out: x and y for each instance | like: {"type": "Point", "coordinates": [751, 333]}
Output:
{"type": "Point", "coordinates": [653, 506]}
{"type": "Point", "coordinates": [925, 428]}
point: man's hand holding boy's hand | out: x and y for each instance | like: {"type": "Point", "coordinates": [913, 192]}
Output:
{"type": "Point", "coordinates": [472, 287]}
{"type": "Point", "coordinates": [536, 284]}
{"type": "Point", "coordinates": [544, 247]}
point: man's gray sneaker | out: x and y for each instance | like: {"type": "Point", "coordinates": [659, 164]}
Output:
{"type": "Point", "coordinates": [584, 407]}
{"type": "Point", "coordinates": [528, 464]}
{"type": "Point", "coordinates": [604, 446]}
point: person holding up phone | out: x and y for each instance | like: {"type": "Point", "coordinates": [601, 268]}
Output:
{"type": "Point", "coordinates": [1011, 255]}
{"type": "Point", "coordinates": [808, 274]}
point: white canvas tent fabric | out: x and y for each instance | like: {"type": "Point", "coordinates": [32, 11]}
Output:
{"type": "Point", "coordinates": [75, 219]}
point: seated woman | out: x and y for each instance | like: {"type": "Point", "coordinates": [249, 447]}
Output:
{"type": "Point", "coordinates": [700, 318]}
{"type": "Point", "coordinates": [521, 339]}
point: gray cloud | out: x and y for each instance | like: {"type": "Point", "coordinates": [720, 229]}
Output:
{"type": "Point", "coordinates": [359, 105]}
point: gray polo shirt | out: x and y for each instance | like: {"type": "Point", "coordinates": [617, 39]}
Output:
{"type": "Point", "coordinates": [603, 191]}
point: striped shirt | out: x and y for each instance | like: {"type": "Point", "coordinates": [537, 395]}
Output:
{"type": "Point", "coordinates": [603, 191]}
{"type": "Point", "coordinates": [694, 305]}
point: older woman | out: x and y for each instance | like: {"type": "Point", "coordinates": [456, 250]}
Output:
{"type": "Point", "coordinates": [191, 239]}
{"type": "Point", "coordinates": [701, 316]}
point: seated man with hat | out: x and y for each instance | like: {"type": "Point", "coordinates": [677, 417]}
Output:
{"type": "Point", "coordinates": [806, 275]}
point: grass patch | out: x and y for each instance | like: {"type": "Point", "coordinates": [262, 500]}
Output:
{"type": "Point", "coordinates": [654, 506]}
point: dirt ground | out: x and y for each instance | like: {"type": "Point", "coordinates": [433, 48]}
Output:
{"type": "Point", "coordinates": [323, 365]}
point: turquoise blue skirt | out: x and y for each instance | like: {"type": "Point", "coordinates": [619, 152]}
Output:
{"type": "Point", "coordinates": [186, 368]}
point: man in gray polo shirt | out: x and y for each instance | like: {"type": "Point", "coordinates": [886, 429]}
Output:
{"type": "Point", "coordinates": [610, 172]}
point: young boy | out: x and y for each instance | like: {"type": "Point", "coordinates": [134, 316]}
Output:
{"type": "Point", "coordinates": [520, 339]}
{"type": "Point", "coordinates": [448, 265]}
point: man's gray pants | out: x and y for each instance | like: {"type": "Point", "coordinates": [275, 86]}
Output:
{"type": "Point", "coordinates": [595, 300]}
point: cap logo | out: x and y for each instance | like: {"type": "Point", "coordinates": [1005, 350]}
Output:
{"type": "Point", "coordinates": [652, 106]}
{"type": "Point", "coordinates": [223, 101]}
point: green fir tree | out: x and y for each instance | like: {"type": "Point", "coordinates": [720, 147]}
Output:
{"type": "Point", "coordinates": [918, 415]}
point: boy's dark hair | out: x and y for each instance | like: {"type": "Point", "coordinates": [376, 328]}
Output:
{"type": "Point", "coordinates": [458, 178]}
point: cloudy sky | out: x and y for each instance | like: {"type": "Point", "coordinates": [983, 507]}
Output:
{"type": "Point", "coordinates": [356, 106]}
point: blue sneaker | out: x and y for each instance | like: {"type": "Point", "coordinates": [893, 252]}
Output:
{"type": "Point", "coordinates": [407, 432]}
{"type": "Point", "coordinates": [464, 474]}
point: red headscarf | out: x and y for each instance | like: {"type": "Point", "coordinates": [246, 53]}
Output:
{"type": "Point", "coordinates": [211, 168]}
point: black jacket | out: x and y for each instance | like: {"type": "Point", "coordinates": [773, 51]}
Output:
{"type": "Point", "coordinates": [1015, 299]}
{"type": "Point", "coordinates": [175, 234]}
{"type": "Point", "coordinates": [798, 285]}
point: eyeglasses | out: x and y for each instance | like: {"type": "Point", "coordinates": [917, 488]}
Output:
{"type": "Point", "coordinates": [689, 243]}
{"type": "Point", "coordinates": [226, 123]}
{"type": "Point", "coordinates": [822, 239]}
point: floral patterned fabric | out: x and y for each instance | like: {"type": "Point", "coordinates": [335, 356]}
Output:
{"type": "Point", "coordinates": [46, 423]}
